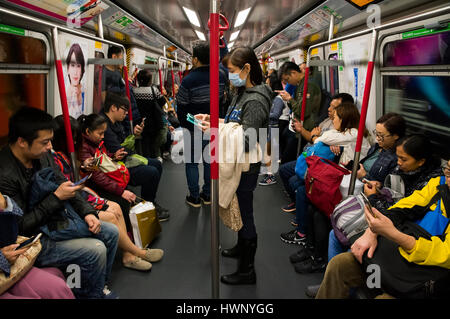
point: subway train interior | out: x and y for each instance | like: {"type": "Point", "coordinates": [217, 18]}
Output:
{"type": "Point", "coordinates": [390, 56]}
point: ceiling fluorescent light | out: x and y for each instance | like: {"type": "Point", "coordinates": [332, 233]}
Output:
{"type": "Point", "coordinates": [230, 45]}
{"type": "Point", "coordinates": [192, 16]}
{"type": "Point", "coordinates": [241, 17]}
{"type": "Point", "coordinates": [234, 35]}
{"type": "Point", "coordinates": [200, 35]}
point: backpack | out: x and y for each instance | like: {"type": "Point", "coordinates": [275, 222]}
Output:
{"type": "Point", "coordinates": [318, 149]}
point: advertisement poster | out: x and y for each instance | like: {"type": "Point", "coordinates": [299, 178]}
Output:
{"type": "Point", "coordinates": [74, 55]}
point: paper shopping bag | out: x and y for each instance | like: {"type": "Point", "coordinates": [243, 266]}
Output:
{"type": "Point", "coordinates": [145, 223]}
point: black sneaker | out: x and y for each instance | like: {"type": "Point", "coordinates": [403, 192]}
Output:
{"type": "Point", "coordinates": [311, 265]}
{"type": "Point", "coordinates": [162, 216]}
{"type": "Point", "coordinates": [311, 291]}
{"type": "Point", "coordinates": [194, 202]}
{"type": "Point", "coordinates": [290, 208]}
{"type": "Point", "coordinates": [301, 255]}
{"type": "Point", "coordinates": [206, 199]}
{"type": "Point", "coordinates": [268, 179]}
{"type": "Point", "coordinates": [293, 237]}
{"type": "Point", "coordinates": [159, 208]}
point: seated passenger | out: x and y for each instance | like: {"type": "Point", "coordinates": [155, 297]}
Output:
{"type": "Point", "coordinates": [345, 270]}
{"type": "Point", "coordinates": [379, 162]}
{"type": "Point", "coordinates": [108, 211]}
{"type": "Point", "coordinates": [345, 121]}
{"type": "Point", "coordinates": [45, 283]}
{"type": "Point", "coordinates": [30, 135]}
{"type": "Point", "coordinates": [416, 166]}
{"type": "Point", "coordinates": [147, 176]}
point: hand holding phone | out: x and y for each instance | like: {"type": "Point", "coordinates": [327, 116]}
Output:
{"type": "Point", "coordinates": [29, 242]}
{"type": "Point", "coordinates": [190, 118]}
{"type": "Point", "coordinates": [368, 205]}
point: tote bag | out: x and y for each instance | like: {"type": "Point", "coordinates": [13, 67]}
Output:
{"type": "Point", "coordinates": [145, 223]}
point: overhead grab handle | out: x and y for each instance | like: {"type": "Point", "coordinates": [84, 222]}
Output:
{"type": "Point", "coordinates": [326, 63]}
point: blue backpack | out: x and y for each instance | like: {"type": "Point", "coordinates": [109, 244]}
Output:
{"type": "Point", "coordinates": [319, 149]}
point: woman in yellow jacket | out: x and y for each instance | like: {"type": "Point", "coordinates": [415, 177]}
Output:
{"type": "Point", "coordinates": [344, 271]}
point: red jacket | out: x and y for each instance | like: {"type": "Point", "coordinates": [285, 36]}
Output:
{"type": "Point", "coordinates": [102, 180]}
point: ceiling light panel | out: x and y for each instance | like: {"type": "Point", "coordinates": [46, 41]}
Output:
{"type": "Point", "coordinates": [200, 35]}
{"type": "Point", "coordinates": [234, 35]}
{"type": "Point", "coordinates": [192, 16]}
{"type": "Point", "coordinates": [241, 17]}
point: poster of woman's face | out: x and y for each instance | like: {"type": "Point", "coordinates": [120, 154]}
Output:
{"type": "Point", "coordinates": [75, 67]}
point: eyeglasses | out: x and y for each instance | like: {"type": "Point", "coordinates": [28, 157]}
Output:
{"type": "Point", "coordinates": [124, 108]}
{"type": "Point", "coordinates": [379, 136]}
{"type": "Point", "coordinates": [446, 171]}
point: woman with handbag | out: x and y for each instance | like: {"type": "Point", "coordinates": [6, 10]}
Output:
{"type": "Point", "coordinates": [402, 240]}
{"type": "Point", "coordinates": [36, 283]}
{"type": "Point", "coordinates": [93, 128]}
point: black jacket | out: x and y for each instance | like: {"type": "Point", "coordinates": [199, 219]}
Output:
{"type": "Point", "coordinates": [15, 181]}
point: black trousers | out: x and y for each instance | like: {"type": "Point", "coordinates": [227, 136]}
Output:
{"type": "Point", "coordinates": [244, 194]}
{"type": "Point", "coordinates": [317, 231]}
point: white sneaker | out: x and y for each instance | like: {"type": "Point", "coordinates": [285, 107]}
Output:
{"type": "Point", "coordinates": [159, 158]}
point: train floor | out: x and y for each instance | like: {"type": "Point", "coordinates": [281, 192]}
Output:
{"type": "Point", "coordinates": [185, 270]}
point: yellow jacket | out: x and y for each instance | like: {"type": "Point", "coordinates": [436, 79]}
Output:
{"type": "Point", "coordinates": [434, 252]}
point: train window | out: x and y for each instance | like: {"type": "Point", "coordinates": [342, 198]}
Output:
{"type": "Point", "coordinates": [333, 79]}
{"type": "Point", "coordinates": [427, 50]}
{"type": "Point", "coordinates": [424, 102]}
{"type": "Point", "coordinates": [315, 73]}
{"type": "Point", "coordinates": [23, 75]}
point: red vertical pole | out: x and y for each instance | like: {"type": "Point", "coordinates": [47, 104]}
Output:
{"type": "Point", "coordinates": [160, 81]}
{"type": "Point", "coordinates": [127, 88]}
{"type": "Point", "coordinates": [214, 92]}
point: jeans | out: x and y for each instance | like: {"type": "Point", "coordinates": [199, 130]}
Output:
{"type": "Point", "coordinates": [244, 195]}
{"type": "Point", "coordinates": [94, 255]}
{"type": "Point", "coordinates": [147, 176]}
{"type": "Point", "coordinates": [334, 246]}
{"type": "Point", "coordinates": [290, 181]}
{"type": "Point", "coordinates": [192, 157]}
{"type": "Point", "coordinates": [301, 209]}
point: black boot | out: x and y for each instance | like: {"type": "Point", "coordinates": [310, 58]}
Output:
{"type": "Point", "coordinates": [245, 274]}
{"type": "Point", "coordinates": [233, 252]}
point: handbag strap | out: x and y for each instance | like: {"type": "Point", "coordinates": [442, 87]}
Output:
{"type": "Point", "coordinates": [325, 160]}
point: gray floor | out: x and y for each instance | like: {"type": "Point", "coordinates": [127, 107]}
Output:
{"type": "Point", "coordinates": [185, 270]}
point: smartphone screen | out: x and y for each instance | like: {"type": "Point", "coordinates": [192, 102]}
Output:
{"type": "Point", "coordinates": [369, 206]}
{"type": "Point", "coordinates": [29, 241]}
{"type": "Point", "coordinates": [81, 181]}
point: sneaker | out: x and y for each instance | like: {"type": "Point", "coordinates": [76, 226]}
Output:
{"type": "Point", "coordinates": [108, 294]}
{"type": "Point", "coordinates": [268, 179]}
{"type": "Point", "coordinates": [311, 291]}
{"type": "Point", "coordinates": [194, 202]}
{"type": "Point", "coordinates": [166, 155]}
{"type": "Point", "coordinates": [289, 208]}
{"type": "Point", "coordinates": [162, 216]}
{"type": "Point", "coordinates": [159, 158]}
{"type": "Point", "coordinates": [293, 237]}
{"type": "Point", "coordinates": [303, 254]}
{"type": "Point", "coordinates": [311, 265]}
{"type": "Point", "coordinates": [160, 208]}
{"type": "Point", "coordinates": [293, 223]}
{"type": "Point", "coordinates": [206, 199]}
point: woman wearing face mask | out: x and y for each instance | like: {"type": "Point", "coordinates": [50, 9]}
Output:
{"type": "Point", "coordinates": [249, 107]}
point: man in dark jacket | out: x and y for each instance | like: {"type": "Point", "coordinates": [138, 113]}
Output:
{"type": "Point", "coordinates": [30, 135]}
{"type": "Point", "coordinates": [147, 176]}
{"type": "Point", "coordinates": [193, 98]}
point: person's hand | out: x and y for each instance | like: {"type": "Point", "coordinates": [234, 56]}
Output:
{"type": "Point", "coordinates": [67, 191]}
{"type": "Point", "coordinates": [316, 131]}
{"type": "Point", "coordinates": [284, 95]}
{"type": "Point", "coordinates": [336, 150]}
{"type": "Point", "coordinates": [171, 128]}
{"type": "Point", "coordinates": [297, 125]}
{"type": "Point", "coordinates": [370, 187]}
{"type": "Point", "coordinates": [93, 223]}
{"type": "Point", "coordinates": [205, 125]}
{"type": "Point", "coordinates": [380, 224]}
{"type": "Point", "coordinates": [10, 254]}
{"type": "Point", "coordinates": [128, 196]}
{"type": "Point", "coordinates": [202, 117]}
{"type": "Point", "coordinates": [368, 241]}
{"type": "Point", "coordinates": [361, 172]}
{"type": "Point", "coordinates": [3, 203]}
{"type": "Point", "coordinates": [138, 129]}
{"type": "Point", "coordinates": [88, 164]}
{"type": "Point", "coordinates": [120, 154]}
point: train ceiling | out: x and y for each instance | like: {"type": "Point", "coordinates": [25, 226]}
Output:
{"type": "Point", "coordinates": [270, 26]}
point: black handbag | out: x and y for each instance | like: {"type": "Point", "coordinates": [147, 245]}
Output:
{"type": "Point", "coordinates": [403, 279]}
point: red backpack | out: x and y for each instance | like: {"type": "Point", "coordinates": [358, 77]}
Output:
{"type": "Point", "coordinates": [322, 181]}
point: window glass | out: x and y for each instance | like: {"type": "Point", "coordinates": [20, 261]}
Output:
{"type": "Point", "coordinates": [21, 50]}
{"type": "Point", "coordinates": [424, 102]}
{"type": "Point", "coordinates": [427, 50]}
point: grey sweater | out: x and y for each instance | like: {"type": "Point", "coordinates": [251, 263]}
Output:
{"type": "Point", "coordinates": [250, 108]}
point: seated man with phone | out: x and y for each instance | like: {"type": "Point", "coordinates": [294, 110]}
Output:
{"type": "Point", "coordinates": [28, 152]}
{"type": "Point", "coordinates": [148, 176]}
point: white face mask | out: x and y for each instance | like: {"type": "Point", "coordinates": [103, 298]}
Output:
{"type": "Point", "coordinates": [236, 80]}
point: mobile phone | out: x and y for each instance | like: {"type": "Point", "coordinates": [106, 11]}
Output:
{"type": "Point", "coordinates": [81, 181]}
{"type": "Point", "coordinates": [365, 181]}
{"type": "Point", "coordinates": [29, 241]}
{"type": "Point", "coordinates": [190, 118]}
{"type": "Point", "coordinates": [367, 203]}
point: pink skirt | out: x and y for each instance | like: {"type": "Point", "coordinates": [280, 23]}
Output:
{"type": "Point", "coordinates": [40, 283]}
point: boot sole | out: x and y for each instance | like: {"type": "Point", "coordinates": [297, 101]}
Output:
{"type": "Point", "coordinates": [194, 205]}
{"type": "Point", "coordinates": [249, 282]}
{"type": "Point", "coordinates": [292, 242]}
